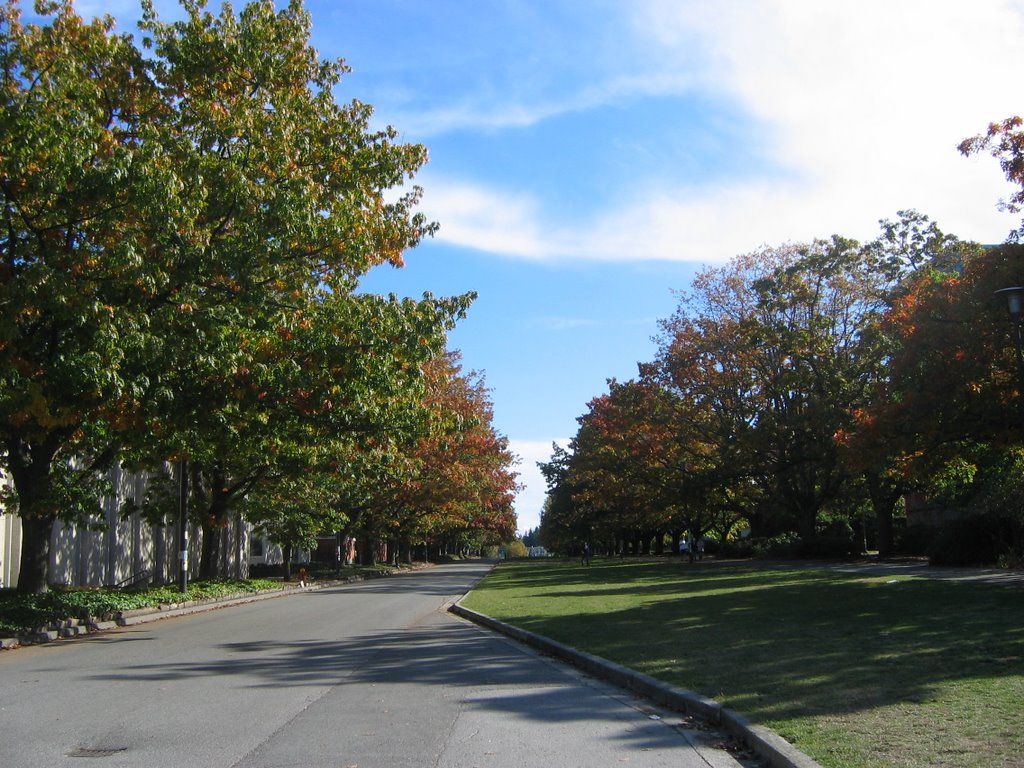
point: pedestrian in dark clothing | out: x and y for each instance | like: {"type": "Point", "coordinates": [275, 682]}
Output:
{"type": "Point", "coordinates": [586, 554]}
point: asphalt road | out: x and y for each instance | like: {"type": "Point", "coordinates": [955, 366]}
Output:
{"type": "Point", "coordinates": [360, 676]}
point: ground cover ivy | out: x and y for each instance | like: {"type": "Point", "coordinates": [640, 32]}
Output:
{"type": "Point", "coordinates": [21, 613]}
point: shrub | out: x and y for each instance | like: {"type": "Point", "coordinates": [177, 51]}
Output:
{"type": "Point", "coordinates": [835, 540]}
{"type": "Point", "coordinates": [781, 546]}
{"type": "Point", "coordinates": [735, 548]}
{"type": "Point", "coordinates": [915, 540]}
{"type": "Point", "coordinates": [983, 539]}
{"type": "Point", "coordinates": [516, 548]}
{"type": "Point", "coordinates": [20, 613]}
{"type": "Point", "coordinates": [829, 547]}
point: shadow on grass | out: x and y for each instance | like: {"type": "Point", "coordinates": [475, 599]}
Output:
{"type": "Point", "coordinates": [778, 643]}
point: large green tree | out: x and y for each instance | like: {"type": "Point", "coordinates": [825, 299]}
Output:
{"type": "Point", "coordinates": [952, 378]}
{"type": "Point", "coordinates": [299, 505]}
{"type": "Point", "coordinates": [346, 368]}
{"type": "Point", "coordinates": [774, 353]}
{"type": "Point", "coordinates": [911, 251]}
{"type": "Point", "coordinates": [81, 252]}
{"type": "Point", "coordinates": [951, 410]}
{"type": "Point", "coordinates": [162, 208]}
{"type": "Point", "coordinates": [761, 399]}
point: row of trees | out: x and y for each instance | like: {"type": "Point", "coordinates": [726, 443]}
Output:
{"type": "Point", "coordinates": [184, 225]}
{"type": "Point", "coordinates": [805, 390]}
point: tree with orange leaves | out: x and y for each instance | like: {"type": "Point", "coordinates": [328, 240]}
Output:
{"type": "Point", "coordinates": [618, 453]}
{"type": "Point", "coordinates": [949, 411]}
{"type": "Point", "coordinates": [1005, 142]}
{"type": "Point", "coordinates": [911, 251]}
{"type": "Point", "coordinates": [456, 479]}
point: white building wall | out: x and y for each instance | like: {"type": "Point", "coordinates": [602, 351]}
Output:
{"type": "Point", "coordinates": [127, 551]}
{"type": "Point", "coordinates": [10, 546]}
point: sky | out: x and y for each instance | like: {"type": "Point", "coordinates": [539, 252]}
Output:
{"type": "Point", "coordinates": [588, 157]}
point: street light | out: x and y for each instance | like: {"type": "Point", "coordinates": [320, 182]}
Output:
{"type": "Point", "coordinates": [1015, 304]}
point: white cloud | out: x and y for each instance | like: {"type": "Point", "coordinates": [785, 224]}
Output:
{"type": "Point", "coordinates": [474, 216]}
{"type": "Point", "coordinates": [473, 117]}
{"type": "Point", "coordinates": [861, 104]}
{"type": "Point", "coordinates": [867, 101]}
{"type": "Point", "coordinates": [530, 500]}
{"type": "Point", "coordinates": [479, 115]}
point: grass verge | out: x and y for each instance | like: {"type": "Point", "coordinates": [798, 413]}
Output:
{"type": "Point", "coordinates": [857, 671]}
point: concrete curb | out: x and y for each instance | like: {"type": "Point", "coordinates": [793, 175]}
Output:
{"type": "Point", "coordinates": [766, 743]}
{"type": "Point", "coordinates": [147, 615]}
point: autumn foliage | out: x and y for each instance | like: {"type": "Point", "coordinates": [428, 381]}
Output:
{"type": "Point", "coordinates": [186, 218]}
{"type": "Point", "coordinates": [802, 393]}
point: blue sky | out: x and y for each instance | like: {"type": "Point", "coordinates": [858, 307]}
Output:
{"type": "Point", "coordinates": [588, 156]}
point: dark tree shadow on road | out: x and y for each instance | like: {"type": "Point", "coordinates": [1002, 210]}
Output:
{"type": "Point", "coordinates": [493, 674]}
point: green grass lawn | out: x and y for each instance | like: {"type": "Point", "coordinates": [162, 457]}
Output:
{"type": "Point", "coordinates": [856, 671]}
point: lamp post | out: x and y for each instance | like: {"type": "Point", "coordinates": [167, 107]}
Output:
{"type": "Point", "coordinates": [1015, 304]}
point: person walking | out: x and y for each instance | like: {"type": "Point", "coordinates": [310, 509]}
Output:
{"type": "Point", "coordinates": [585, 560]}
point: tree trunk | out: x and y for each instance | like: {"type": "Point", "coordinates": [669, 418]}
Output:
{"type": "Point", "coordinates": [159, 534]}
{"type": "Point", "coordinates": [286, 557]}
{"type": "Point", "coordinates": [367, 549]}
{"type": "Point", "coordinates": [807, 520]}
{"type": "Point", "coordinates": [213, 523]}
{"type": "Point", "coordinates": [886, 532]}
{"type": "Point", "coordinates": [35, 554]}
{"type": "Point", "coordinates": [883, 501]}
{"type": "Point", "coordinates": [210, 554]}
{"type": "Point", "coordinates": [214, 520]}
{"type": "Point", "coordinates": [29, 466]}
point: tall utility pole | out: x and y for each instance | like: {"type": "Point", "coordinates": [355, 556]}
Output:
{"type": "Point", "coordinates": [183, 524]}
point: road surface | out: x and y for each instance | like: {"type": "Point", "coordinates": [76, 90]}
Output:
{"type": "Point", "coordinates": [357, 676]}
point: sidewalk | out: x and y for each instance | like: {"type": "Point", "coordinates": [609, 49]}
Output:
{"type": "Point", "coordinates": [909, 566]}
